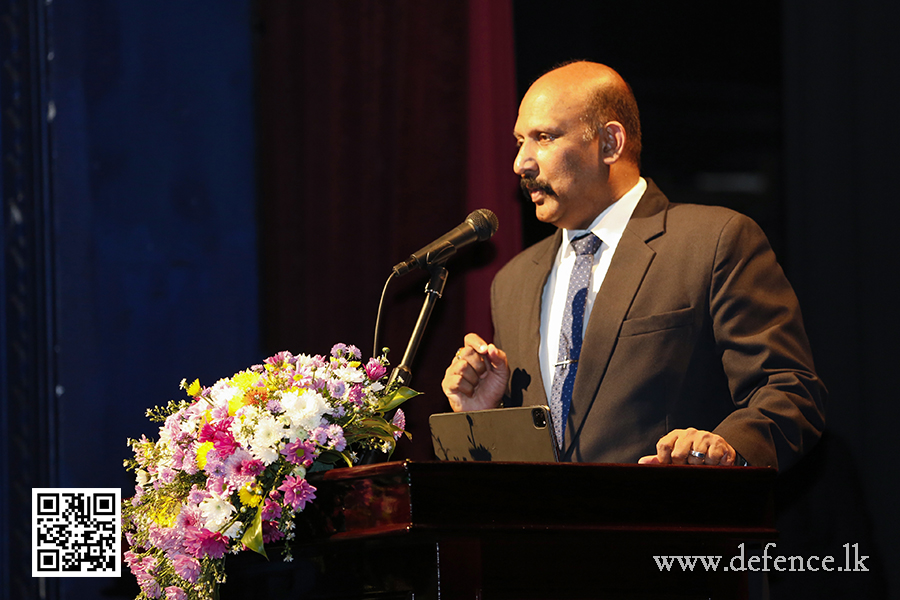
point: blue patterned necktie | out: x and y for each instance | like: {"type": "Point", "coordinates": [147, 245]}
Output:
{"type": "Point", "coordinates": [571, 333]}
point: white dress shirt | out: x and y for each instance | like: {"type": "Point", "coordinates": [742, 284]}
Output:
{"type": "Point", "coordinates": [609, 227]}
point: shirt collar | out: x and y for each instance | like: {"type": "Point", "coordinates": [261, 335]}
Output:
{"type": "Point", "coordinates": [610, 224]}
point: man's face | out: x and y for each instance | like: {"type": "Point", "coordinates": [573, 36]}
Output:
{"type": "Point", "coordinates": [562, 174]}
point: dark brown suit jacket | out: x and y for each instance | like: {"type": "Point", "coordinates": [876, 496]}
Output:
{"type": "Point", "coordinates": [695, 325]}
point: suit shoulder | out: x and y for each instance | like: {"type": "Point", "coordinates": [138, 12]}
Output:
{"type": "Point", "coordinates": [697, 219]}
{"type": "Point", "coordinates": [529, 257]}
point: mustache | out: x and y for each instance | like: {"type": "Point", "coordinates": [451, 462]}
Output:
{"type": "Point", "coordinates": [531, 184]}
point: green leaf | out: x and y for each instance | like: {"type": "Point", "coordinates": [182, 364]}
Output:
{"type": "Point", "coordinates": [330, 457]}
{"type": "Point", "coordinates": [253, 538]}
{"type": "Point", "coordinates": [396, 398]}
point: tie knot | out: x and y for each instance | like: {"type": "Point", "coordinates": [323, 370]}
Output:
{"type": "Point", "coordinates": [586, 244]}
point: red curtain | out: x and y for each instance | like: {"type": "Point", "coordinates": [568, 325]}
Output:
{"type": "Point", "coordinates": [382, 124]}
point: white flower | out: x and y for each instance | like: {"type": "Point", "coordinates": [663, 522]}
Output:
{"type": "Point", "coordinates": [305, 409]}
{"type": "Point", "coordinates": [233, 530]}
{"type": "Point", "coordinates": [268, 432]}
{"type": "Point", "coordinates": [223, 391]}
{"type": "Point", "coordinates": [266, 454]}
{"type": "Point", "coordinates": [142, 477]}
{"type": "Point", "coordinates": [216, 511]}
{"type": "Point", "coordinates": [350, 374]}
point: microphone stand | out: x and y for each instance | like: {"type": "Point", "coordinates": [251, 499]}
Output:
{"type": "Point", "coordinates": [402, 374]}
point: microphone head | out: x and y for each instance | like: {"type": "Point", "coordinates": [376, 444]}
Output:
{"type": "Point", "coordinates": [484, 222]}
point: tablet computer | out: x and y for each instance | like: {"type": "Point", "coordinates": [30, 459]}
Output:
{"type": "Point", "coordinates": [519, 434]}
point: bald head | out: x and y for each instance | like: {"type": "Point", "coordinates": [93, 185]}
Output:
{"type": "Point", "coordinates": [603, 95]}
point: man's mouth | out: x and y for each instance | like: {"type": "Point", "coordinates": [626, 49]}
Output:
{"type": "Point", "coordinates": [531, 187]}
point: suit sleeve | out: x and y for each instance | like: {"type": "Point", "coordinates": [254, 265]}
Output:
{"type": "Point", "coordinates": [765, 352]}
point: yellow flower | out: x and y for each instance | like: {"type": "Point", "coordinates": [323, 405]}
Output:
{"type": "Point", "coordinates": [202, 451]}
{"type": "Point", "coordinates": [236, 402]}
{"type": "Point", "coordinates": [166, 510]}
{"type": "Point", "coordinates": [250, 495]}
{"type": "Point", "coordinates": [245, 379]}
{"type": "Point", "coordinates": [194, 389]}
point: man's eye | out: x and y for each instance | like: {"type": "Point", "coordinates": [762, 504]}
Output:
{"type": "Point", "coordinates": [546, 137]}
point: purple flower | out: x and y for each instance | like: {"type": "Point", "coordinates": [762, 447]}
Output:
{"type": "Point", "coordinates": [353, 350]}
{"type": "Point", "coordinates": [338, 349]}
{"type": "Point", "coordinates": [320, 435]}
{"type": "Point", "coordinates": [336, 437]}
{"type": "Point", "coordinates": [337, 388]}
{"type": "Point", "coordinates": [196, 495]}
{"type": "Point", "coordinates": [375, 370]}
{"type": "Point", "coordinates": [167, 475]}
{"type": "Point", "coordinates": [297, 492]}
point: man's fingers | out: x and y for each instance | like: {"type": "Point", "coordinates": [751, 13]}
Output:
{"type": "Point", "coordinates": [664, 448]}
{"type": "Point", "coordinates": [692, 447]}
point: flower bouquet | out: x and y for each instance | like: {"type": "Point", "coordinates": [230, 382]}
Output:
{"type": "Point", "coordinates": [228, 471]}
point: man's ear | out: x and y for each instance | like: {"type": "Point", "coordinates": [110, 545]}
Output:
{"type": "Point", "coordinates": [612, 142]}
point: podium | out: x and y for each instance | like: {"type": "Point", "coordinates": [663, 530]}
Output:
{"type": "Point", "coordinates": [480, 530]}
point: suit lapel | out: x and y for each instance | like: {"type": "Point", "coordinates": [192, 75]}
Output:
{"type": "Point", "coordinates": [626, 272]}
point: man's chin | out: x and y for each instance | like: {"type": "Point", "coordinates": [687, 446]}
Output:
{"type": "Point", "coordinates": [546, 214]}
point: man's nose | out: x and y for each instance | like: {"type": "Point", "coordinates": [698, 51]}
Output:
{"type": "Point", "coordinates": [525, 165]}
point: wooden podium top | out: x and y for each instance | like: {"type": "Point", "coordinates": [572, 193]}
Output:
{"type": "Point", "coordinates": [485, 498]}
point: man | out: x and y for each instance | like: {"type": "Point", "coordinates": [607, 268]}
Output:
{"type": "Point", "coordinates": [693, 349]}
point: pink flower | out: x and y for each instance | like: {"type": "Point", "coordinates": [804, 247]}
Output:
{"type": "Point", "coordinates": [270, 532]}
{"type": "Point", "coordinates": [271, 510]}
{"type": "Point", "coordinates": [150, 587]}
{"type": "Point", "coordinates": [375, 370]}
{"type": "Point", "coordinates": [355, 395]}
{"type": "Point", "coordinates": [220, 435]}
{"type": "Point", "coordinates": [186, 567]}
{"type": "Point", "coordinates": [399, 421]}
{"type": "Point", "coordinates": [175, 593]}
{"type": "Point", "coordinates": [203, 542]}
{"type": "Point", "coordinates": [300, 453]}
{"type": "Point", "coordinates": [297, 492]}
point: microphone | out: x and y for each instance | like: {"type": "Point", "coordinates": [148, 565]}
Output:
{"type": "Point", "coordinates": [479, 226]}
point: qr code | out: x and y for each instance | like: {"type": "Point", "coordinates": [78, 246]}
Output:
{"type": "Point", "coordinates": [76, 532]}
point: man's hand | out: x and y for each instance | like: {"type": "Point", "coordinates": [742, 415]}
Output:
{"type": "Point", "coordinates": [691, 447]}
{"type": "Point", "coordinates": [477, 377]}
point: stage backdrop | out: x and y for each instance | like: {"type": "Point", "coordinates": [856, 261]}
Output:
{"type": "Point", "coordinates": [382, 125]}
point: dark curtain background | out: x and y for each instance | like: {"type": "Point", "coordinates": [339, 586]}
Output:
{"type": "Point", "coordinates": [381, 126]}
{"type": "Point", "coordinates": [188, 188]}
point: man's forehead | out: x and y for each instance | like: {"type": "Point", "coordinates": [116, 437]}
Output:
{"type": "Point", "coordinates": [542, 108]}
